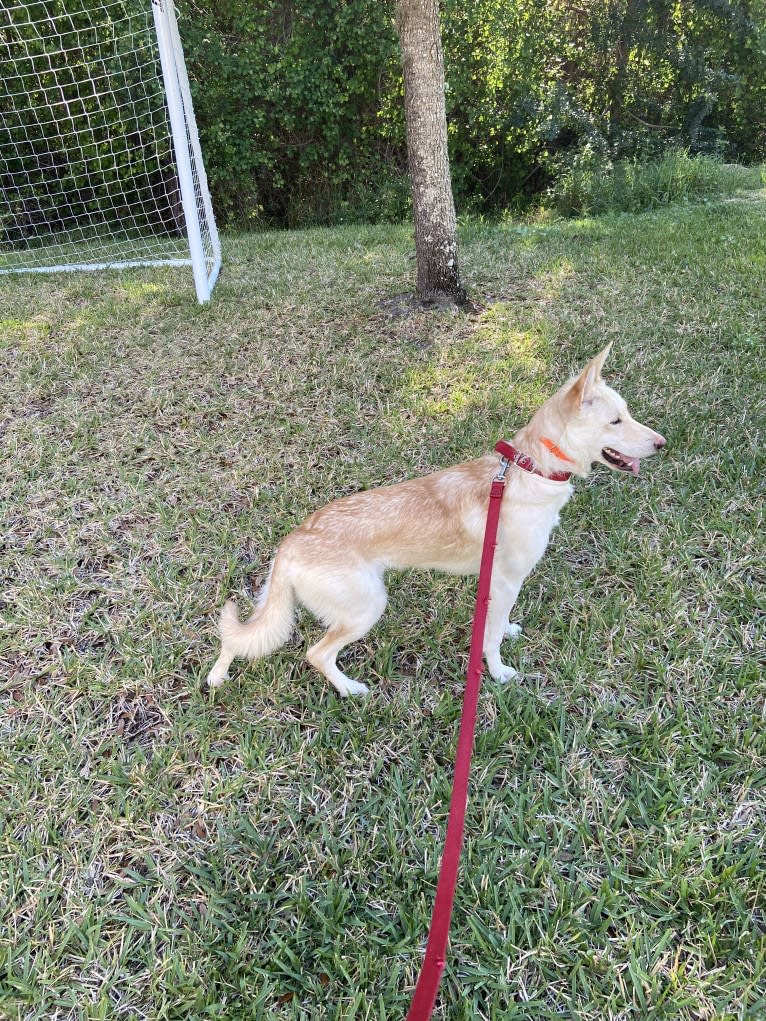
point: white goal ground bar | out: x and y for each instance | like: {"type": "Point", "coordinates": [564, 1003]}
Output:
{"type": "Point", "coordinates": [125, 264]}
{"type": "Point", "coordinates": [100, 158]}
{"type": "Point", "coordinates": [78, 267]}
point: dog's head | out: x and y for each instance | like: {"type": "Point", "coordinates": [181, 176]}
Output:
{"type": "Point", "coordinates": [597, 426]}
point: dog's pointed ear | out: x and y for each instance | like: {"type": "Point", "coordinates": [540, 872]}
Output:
{"type": "Point", "coordinates": [581, 391]}
{"type": "Point", "coordinates": [601, 357]}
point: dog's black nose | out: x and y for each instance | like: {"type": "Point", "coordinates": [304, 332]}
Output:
{"type": "Point", "coordinates": [659, 441]}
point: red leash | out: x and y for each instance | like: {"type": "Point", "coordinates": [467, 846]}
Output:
{"type": "Point", "coordinates": [435, 958]}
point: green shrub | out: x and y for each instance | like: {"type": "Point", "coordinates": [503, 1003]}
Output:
{"type": "Point", "coordinates": [287, 99]}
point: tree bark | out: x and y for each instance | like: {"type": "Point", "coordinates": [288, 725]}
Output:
{"type": "Point", "coordinates": [438, 275]}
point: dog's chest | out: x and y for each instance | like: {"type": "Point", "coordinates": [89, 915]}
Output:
{"type": "Point", "coordinates": [527, 520]}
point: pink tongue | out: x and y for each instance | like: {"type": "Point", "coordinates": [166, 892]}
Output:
{"type": "Point", "coordinates": [634, 463]}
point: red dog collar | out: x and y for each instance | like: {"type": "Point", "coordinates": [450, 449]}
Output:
{"type": "Point", "coordinates": [527, 464]}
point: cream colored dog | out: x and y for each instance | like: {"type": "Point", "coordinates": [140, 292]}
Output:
{"type": "Point", "coordinates": [334, 563]}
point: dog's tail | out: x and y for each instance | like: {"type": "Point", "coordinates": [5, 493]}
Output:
{"type": "Point", "coordinates": [270, 624]}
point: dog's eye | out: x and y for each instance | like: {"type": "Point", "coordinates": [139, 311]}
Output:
{"type": "Point", "coordinates": [617, 421]}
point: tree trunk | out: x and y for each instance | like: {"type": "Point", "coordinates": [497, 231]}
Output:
{"type": "Point", "coordinates": [438, 276]}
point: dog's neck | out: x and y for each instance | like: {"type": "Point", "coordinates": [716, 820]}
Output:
{"type": "Point", "coordinates": [540, 455]}
{"type": "Point", "coordinates": [527, 463]}
{"type": "Point", "coordinates": [556, 450]}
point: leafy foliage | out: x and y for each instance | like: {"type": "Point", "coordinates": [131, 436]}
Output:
{"type": "Point", "coordinates": [287, 98]}
{"type": "Point", "coordinates": [300, 106]}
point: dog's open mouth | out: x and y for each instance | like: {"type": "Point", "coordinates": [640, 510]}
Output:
{"type": "Point", "coordinates": [620, 461]}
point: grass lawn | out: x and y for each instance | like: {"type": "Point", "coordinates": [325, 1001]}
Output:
{"type": "Point", "coordinates": [270, 851]}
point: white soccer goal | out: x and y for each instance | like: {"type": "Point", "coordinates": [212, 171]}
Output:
{"type": "Point", "coordinates": [100, 162]}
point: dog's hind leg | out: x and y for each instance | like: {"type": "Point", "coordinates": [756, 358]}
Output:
{"type": "Point", "coordinates": [267, 628]}
{"type": "Point", "coordinates": [322, 657]}
{"type": "Point", "coordinates": [220, 670]}
{"type": "Point", "coordinates": [349, 603]}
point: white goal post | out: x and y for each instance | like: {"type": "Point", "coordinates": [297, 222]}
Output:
{"type": "Point", "coordinates": [100, 161]}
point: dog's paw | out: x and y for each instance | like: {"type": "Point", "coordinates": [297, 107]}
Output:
{"type": "Point", "coordinates": [504, 673]}
{"type": "Point", "coordinates": [512, 630]}
{"type": "Point", "coordinates": [214, 680]}
{"type": "Point", "coordinates": [353, 688]}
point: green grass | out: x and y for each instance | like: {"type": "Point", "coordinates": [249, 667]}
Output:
{"type": "Point", "coordinates": [271, 852]}
{"type": "Point", "coordinates": [631, 186]}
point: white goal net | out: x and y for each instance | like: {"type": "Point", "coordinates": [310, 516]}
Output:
{"type": "Point", "coordinates": [100, 163]}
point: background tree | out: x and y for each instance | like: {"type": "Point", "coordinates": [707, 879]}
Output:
{"type": "Point", "coordinates": [438, 274]}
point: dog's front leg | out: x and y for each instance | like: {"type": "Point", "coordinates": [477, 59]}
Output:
{"type": "Point", "coordinates": [502, 598]}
